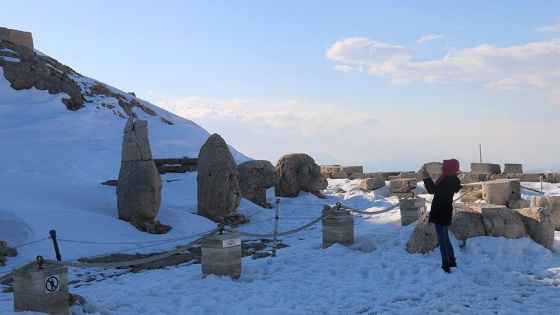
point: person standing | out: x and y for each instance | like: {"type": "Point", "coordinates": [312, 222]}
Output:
{"type": "Point", "coordinates": [441, 211]}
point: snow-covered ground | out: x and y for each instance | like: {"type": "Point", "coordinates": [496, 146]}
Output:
{"type": "Point", "coordinates": [52, 164]}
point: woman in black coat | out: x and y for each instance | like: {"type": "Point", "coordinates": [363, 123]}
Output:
{"type": "Point", "coordinates": [441, 210]}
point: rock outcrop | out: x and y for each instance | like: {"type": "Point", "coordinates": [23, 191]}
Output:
{"type": "Point", "coordinates": [26, 69]}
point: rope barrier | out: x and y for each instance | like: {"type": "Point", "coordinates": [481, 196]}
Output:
{"type": "Point", "coordinates": [39, 261]}
{"type": "Point", "coordinates": [5, 251]}
{"type": "Point", "coordinates": [130, 262]}
{"type": "Point", "coordinates": [326, 214]}
{"type": "Point", "coordinates": [531, 189]}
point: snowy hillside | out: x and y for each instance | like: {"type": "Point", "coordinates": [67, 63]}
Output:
{"type": "Point", "coordinates": [52, 164]}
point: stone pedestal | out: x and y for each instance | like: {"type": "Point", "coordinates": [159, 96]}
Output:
{"type": "Point", "coordinates": [485, 168]}
{"type": "Point", "coordinates": [401, 187]}
{"type": "Point", "coordinates": [411, 209]}
{"type": "Point", "coordinates": [338, 227]}
{"type": "Point", "coordinates": [501, 191]}
{"type": "Point", "coordinates": [221, 255]}
{"type": "Point", "coordinates": [511, 168]}
{"type": "Point", "coordinates": [42, 290]}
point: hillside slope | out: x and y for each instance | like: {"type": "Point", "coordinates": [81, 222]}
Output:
{"type": "Point", "coordinates": [50, 150]}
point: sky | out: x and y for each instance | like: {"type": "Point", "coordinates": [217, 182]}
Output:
{"type": "Point", "coordinates": [476, 81]}
{"type": "Point", "coordinates": [53, 162]}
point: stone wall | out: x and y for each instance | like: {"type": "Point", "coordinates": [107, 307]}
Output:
{"type": "Point", "coordinates": [480, 172]}
{"type": "Point", "coordinates": [17, 37]}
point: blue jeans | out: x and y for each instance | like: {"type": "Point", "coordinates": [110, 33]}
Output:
{"type": "Point", "coordinates": [445, 246]}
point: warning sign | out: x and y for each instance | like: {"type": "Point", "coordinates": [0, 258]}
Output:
{"type": "Point", "coordinates": [51, 284]}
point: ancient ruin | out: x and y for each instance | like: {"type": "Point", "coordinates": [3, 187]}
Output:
{"type": "Point", "coordinates": [139, 184]}
{"type": "Point", "coordinates": [218, 191]}
{"type": "Point", "coordinates": [299, 172]}
{"type": "Point", "coordinates": [17, 37]}
{"type": "Point", "coordinates": [491, 205]}
{"type": "Point", "coordinates": [254, 178]}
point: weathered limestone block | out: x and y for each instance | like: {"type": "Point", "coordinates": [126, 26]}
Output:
{"type": "Point", "coordinates": [510, 168]}
{"type": "Point", "coordinates": [467, 178]}
{"type": "Point", "coordinates": [501, 221]}
{"type": "Point", "coordinates": [330, 168]}
{"type": "Point", "coordinates": [402, 185]}
{"type": "Point", "coordinates": [517, 204]}
{"type": "Point", "coordinates": [539, 225]}
{"type": "Point", "coordinates": [423, 238]}
{"type": "Point", "coordinates": [375, 175]}
{"type": "Point", "coordinates": [357, 176]}
{"type": "Point", "coordinates": [17, 37]}
{"type": "Point", "coordinates": [433, 168]}
{"type": "Point", "coordinates": [352, 169]}
{"type": "Point", "coordinates": [485, 168]}
{"type": "Point", "coordinates": [466, 222]}
{"type": "Point", "coordinates": [339, 175]}
{"type": "Point", "coordinates": [139, 184]}
{"type": "Point", "coordinates": [254, 178]}
{"type": "Point", "coordinates": [552, 177]}
{"type": "Point", "coordinates": [552, 203]}
{"type": "Point", "coordinates": [218, 192]}
{"type": "Point", "coordinates": [401, 175]}
{"type": "Point", "coordinates": [530, 177]}
{"type": "Point", "coordinates": [411, 209]}
{"type": "Point", "coordinates": [299, 172]}
{"type": "Point", "coordinates": [489, 177]}
{"type": "Point", "coordinates": [370, 184]}
{"type": "Point", "coordinates": [501, 191]}
{"type": "Point", "coordinates": [472, 196]}
{"type": "Point", "coordinates": [338, 227]}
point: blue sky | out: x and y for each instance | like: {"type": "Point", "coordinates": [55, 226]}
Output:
{"type": "Point", "coordinates": [384, 84]}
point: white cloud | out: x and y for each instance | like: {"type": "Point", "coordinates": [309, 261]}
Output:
{"type": "Point", "coordinates": [427, 38]}
{"type": "Point", "coordinates": [551, 28]}
{"type": "Point", "coordinates": [364, 52]}
{"type": "Point", "coordinates": [500, 68]}
{"type": "Point", "coordinates": [286, 118]}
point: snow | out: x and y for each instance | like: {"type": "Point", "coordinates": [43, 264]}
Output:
{"type": "Point", "coordinates": [53, 162]}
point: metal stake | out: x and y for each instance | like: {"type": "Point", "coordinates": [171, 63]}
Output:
{"type": "Point", "coordinates": [56, 250]}
{"type": "Point", "coordinates": [275, 227]}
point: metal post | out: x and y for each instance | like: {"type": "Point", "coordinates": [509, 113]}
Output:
{"type": "Point", "coordinates": [541, 178]}
{"type": "Point", "coordinates": [275, 227]}
{"type": "Point", "coordinates": [480, 150]}
{"type": "Point", "coordinates": [56, 250]}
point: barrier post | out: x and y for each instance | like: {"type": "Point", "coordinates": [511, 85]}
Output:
{"type": "Point", "coordinates": [338, 227]}
{"type": "Point", "coordinates": [55, 244]}
{"type": "Point", "coordinates": [276, 218]}
{"type": "Point", "coordinates": [221, 255]}
{"type": "Point", "coordinates": [42, 290]}
{"type": "Point", "coordinates": [411, 210]}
